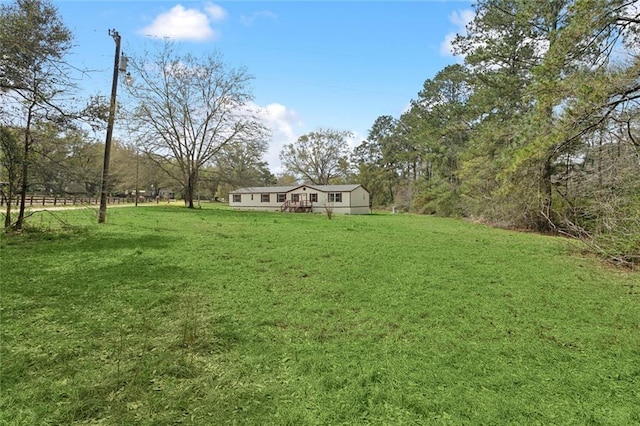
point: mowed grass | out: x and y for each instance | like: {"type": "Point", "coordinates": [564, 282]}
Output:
{"type": "Point", "coordinates": [166, 316]}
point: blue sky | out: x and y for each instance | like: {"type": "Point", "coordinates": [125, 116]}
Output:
{"type": "Point", "coordinates": [316, 64]}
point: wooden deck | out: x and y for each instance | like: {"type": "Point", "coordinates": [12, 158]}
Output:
{"type": "Point", "coordinates": [297, 207]}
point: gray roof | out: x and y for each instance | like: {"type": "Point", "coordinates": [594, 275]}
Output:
{"type": "Point", "coordinates": [281, 189]}
{"type": "Point", "coordinates": [335, 188]}
{"type": "Point", "coordinates": [262, 189]}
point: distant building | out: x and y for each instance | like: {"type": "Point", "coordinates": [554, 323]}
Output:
{"type": "Point", "coordinates": [346, 199]}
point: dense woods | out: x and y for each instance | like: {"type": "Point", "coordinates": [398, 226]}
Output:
{"type": "Point", "coordinates": [537, 127]}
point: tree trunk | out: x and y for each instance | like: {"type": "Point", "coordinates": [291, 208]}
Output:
{"type": "Point", "coordinates": [545, 224]}
{"type": "Point", "coordinates": [7, 214]}
{"type": "Point", "coordinates": [190, 189]}
{"type": "Point", "coordinates": [9, 148]}
{"type": "Point", "coordinates": [25, 170]}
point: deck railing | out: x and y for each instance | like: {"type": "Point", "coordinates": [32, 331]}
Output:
{"type": "Point", "coordinates": [297, 206]}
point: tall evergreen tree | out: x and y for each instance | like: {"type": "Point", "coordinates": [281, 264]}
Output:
{"type": "Point", "coordinates": [443, 123]}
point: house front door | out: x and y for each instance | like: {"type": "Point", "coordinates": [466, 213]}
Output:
{"type": "Point", "coordinates": [296, 198]}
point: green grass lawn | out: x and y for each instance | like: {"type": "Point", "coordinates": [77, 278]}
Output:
{"type": "Point", "coordinates": [165, 315]}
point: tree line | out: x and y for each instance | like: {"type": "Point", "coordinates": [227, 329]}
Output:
{"type": "Point", "coordinates": [538, 127]}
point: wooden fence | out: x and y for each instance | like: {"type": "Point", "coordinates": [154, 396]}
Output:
{"type": "Point", "coordinates": [40, 200]}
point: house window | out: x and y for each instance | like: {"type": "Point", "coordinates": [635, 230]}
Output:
{"type": "Point", "coordinates": [282, 198]}
{"type": "Point", "coordinates": [313, 198]}
{"type": "Point", "coordinates": [335, 197]}
{"type": "Point", "coordinates": [236, 198]}
{"type": "Point", "coordinates": [295, 198]}
{"type": "Point", "coordinates": [265, 198]}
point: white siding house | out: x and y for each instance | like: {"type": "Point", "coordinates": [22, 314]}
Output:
{"type": "Point", "coordinates": [347, 199]}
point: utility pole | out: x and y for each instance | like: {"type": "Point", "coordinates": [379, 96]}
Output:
{"type": "Point", "coordinates": [107, 144]}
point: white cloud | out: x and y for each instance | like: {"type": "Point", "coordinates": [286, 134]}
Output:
{"type": "Point", "coordinates": [186, 24]}
{"type": "Point", "coordinates": [459, 18]}
{"type": "Point", "coordinates": [247, 21]}
{"type": "Point", "coordinates": [284, 124]}
{"type": "Point", "coordinates": [215, 12]}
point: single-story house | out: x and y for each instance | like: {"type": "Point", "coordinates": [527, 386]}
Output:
{"type": "Point", "coordinates": [347, 199]}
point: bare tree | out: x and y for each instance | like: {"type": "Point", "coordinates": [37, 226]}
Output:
{"type": "Point", "coordinates": [187, 109]}
{"type": "Point", "coordinates": [318, 157]}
